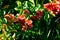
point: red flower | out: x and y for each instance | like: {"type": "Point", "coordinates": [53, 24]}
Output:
{"type": "Point", "coordinates": [49, 6]}
{"type": "Point", "coordinates": [56, 10]}
{"type": "Point", "coordinates": [54, 7]}
{"type": "Point", "coordinates": [58, 0]}
{"type": "Point", "coordinates": [21, 17]}
{"type": "Point", "coordinates": [39, 14]}
{"type": "Point", "coordinates": [30, 26]}
{"type": "Point", "coordinates": [24, 28]}
{"type": "Point", "coordinates": [26, 11]}
{"type": "Point", "coordinates": [33, 17]}
{"type": "Point", "coordinates": [11, 16]}
{"type": "Point", "coordinates": [28, 22]}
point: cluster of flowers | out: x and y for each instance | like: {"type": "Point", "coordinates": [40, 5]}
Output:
{"type": "Point", "coordinates": [53, 7]}
{"type": "Point", "coordinates": [10, 17]}
{"type": "Point", "coordinates": [38, 15]}
{"type": "Point", "coordinates": [25, 23]}
{"type": "Point", "coordinates": [22, 20]}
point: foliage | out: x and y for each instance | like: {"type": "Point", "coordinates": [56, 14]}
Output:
{"type": "Point", "coordinates": [29, 20]}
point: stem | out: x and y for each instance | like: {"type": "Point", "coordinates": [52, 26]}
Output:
{"type": "Point", "coordinates": [57, 19]}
